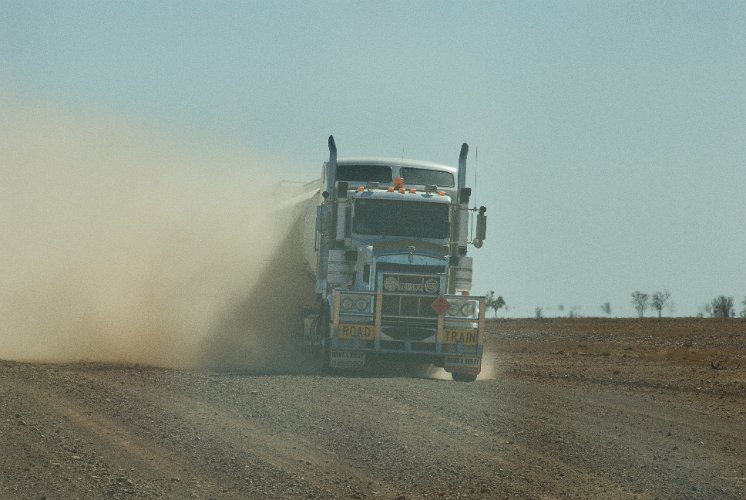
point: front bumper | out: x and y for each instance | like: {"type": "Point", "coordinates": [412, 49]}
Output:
{"type": "Point", "coordinates": [455, 343]}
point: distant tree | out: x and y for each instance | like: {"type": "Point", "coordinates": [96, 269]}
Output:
{"type": "Point", "coordinates": [493, 302]}
{"type": "Point", "coordinates": [722, 307]}
{"type": "Point", "coordinates": [539, 312]}
{"type": "Point", "coordinates": [743, 311]}
{"type": "Point", "coordinates": [574, 311]}
{"type": "Point", "coordinates": [706, 309]}
{"type": "Point", "coordinates": [641, 302]}
{"type": "Point", "coordinates": [561, 307]}
{"type": "Point", "coordinates": [606, 308]}
{"type": "Point", "coordinates": [659, 299]}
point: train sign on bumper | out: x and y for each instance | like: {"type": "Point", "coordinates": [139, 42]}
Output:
{"type": "Point", "coordinates": [464, 364]}
{"type": "Point", "coordinates": [454, 336]}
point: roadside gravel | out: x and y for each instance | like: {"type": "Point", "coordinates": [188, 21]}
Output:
{"type": "Point", "coordinates": [567, 413]}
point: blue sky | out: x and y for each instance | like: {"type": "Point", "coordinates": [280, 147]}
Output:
{"type": "Point", "coordinates": [611, 136]}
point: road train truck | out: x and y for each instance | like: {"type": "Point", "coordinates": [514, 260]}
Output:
{"type": "Point", "coordinates": [388, 241]}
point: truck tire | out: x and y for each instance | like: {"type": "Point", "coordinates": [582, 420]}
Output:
{"type": "Point", "coordinates": [463, 377]}
{"type": "Point", "coordinates": [324, 343]}
{"type": "Point", "coordinates": [325, 364]}
{"type": "Point", "coordinates": [325, 356]}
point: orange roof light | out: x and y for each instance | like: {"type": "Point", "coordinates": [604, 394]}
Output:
{"type": "Point", "coordinates": [391, 189]}
{"type": "Point", "coordinates": [360, 189]}
{"type": "Point", "coordinates": [413, 190]}
{"type": "Point", "coordinates": [402, 190]}
{"type": "Point", "coordinates": [442, 193]}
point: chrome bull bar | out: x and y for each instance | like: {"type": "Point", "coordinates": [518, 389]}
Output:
{"type": "Point", "coordinates": [360, 323]}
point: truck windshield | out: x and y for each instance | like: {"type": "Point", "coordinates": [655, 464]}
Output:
{"type": "Point", "coordinates": [364, 173]}
{"type": "Point", "coordinates": [422, 177]}
{"type": "Point", "coordinates": [401, 218]}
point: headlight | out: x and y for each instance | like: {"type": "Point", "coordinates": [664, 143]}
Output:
{"type": "Point", "coordinates": [355, 303]}
{"type": "Point", "coordinates": [347, 304]}
{"type": "Point", "coordinates": [362, 304]}
{"type": "Point", "coordinates": [468, 309]}
{"type": "Point", "coordinates": [461, 309]}
{"type": "Point", "coordinates": [454, 309]}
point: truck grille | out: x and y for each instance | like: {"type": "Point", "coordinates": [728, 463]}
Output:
{"type": "Point", "coordinates": [408, 316]}
{"type": "Point", "coordinates": [414, 306]}
{"type": "Point", "coordinates": [410, 294]}
{"type": "Point", "coordinates": [403, 329]}
{"type": "Point", "coordinates": [406, 306]}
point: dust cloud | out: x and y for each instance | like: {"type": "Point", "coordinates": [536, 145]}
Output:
{"type": "Point", "coordinates": [116, 244]}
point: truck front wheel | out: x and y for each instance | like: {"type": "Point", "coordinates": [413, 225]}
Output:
{"type": "Point", "coordinates": [324, 356]}
{"type": "Point", "coordinates": [324, 341]}
{"type": "Point", "coordinates": [463, 377]}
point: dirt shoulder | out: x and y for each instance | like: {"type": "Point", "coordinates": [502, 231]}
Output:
{"type": "Point", "coordinates": [692, 355]}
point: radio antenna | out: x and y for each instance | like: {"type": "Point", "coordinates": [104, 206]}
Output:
{"type": "Point", "coordinates": [476, 167]}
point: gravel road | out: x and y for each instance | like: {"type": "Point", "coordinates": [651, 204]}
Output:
{"type": "Point", "coordinates": [568, 411]}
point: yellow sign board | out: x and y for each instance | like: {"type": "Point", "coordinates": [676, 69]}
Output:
{"type": "Point", "coordinates": [454, 336]}
{"type": "Point", "coordinates": [363, 332]}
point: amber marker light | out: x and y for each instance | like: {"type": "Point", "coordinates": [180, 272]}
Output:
{"type": "Point", "coordinates": [402, 190]}
{"type": "Point", "coordinates": [413, 190]}
{"type": "Point", "coordinates": [391, 189]}
{"type": "Point", "coordinates": [442, 193]}
{"type": "Point", "coordinates": [360, 189]}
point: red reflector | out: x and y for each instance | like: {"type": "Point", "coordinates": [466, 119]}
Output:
{"type": "Point", "coordinates": [440, 305]}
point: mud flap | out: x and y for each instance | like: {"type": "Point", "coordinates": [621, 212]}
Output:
{"type": "Point", "coordinates": [311, 327]}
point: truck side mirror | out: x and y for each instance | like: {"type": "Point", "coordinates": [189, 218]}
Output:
{"type": "Point", "coordinates": [481, 228]}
